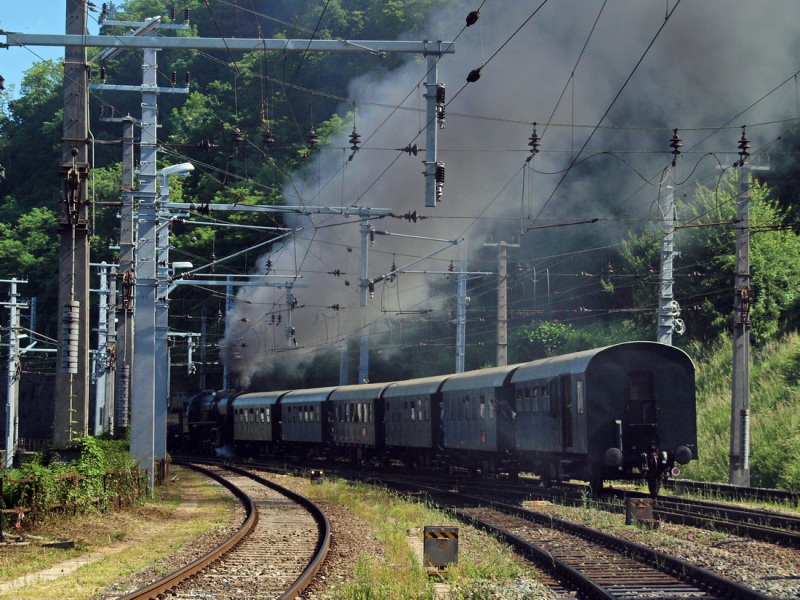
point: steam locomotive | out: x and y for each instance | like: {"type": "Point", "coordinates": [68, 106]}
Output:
{"type": "Point", "coordinates": [621, 412]}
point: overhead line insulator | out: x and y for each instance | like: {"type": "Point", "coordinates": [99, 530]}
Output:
{"type": "Point", "coordinates": [534, 142]}
{"type": "Point", "coordinates": [440, 104]}
{"type": "Point", "coordinates": [744, 146]}
{"type": "Point", "coordinates": [675, 144]}
{"type": "Point", "coordinates": [355, 140]}
{"type": "Point", "coordinates": [439, 181]}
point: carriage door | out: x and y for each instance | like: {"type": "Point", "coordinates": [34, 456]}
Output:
{"type": "Point", "coordinates": [565, 394]}
{"type": "Point", "coordinates": [641, 409]}
{"type": "Point", "coordinates": [641, 413]}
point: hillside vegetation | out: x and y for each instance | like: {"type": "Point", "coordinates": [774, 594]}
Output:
{"type": "Point", "coordinates": [774, 417]}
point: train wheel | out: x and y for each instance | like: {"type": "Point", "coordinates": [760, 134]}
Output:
{"type": "Point", "coordinates": [547, 473]}
{"type": "Point", "coordinates": [654, 484]}
{"type": "Point", "coordinates": [596, 483]}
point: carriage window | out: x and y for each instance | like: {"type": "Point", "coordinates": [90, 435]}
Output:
{"type": "Point", "coordinates": [423, 416]}
{"type": "Point", "coordinates": [262, 416]}
{"type": "Point", "coordinates": [269, 414]}
{"type": "Point", "coordinates": [535, 400]}
{"type": "Point", "coordinates": [412, 411]}
{"type": "Point", "coordinates": [544, 401]}
{"type": "Point", "coordinates": [467, 414]}
{"type": "Point", "coordinates": [642, 405]}
{"type": "Point", "coordinates": [580, 401]}
{"type": "Point", "coordinates": [482, 411]}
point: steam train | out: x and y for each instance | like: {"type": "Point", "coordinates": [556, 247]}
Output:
{"type": "Point", "coordinates": [621, 412]}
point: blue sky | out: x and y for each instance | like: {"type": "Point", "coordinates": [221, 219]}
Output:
{"type": "Point", "coordinates": [42, 16]}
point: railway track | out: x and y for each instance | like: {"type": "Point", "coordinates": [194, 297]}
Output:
{"type": "Point", "coordinates": [275, 553]}
{"type": "Point", "coordinates": [767, 526]}
{"type": "Point", "coordinates": [734, 492]}
{"type": "Point", "coordinates": [593, 564]}
{"type": "Point", "coordinates": [757, 524]}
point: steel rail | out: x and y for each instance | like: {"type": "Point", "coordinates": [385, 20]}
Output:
{"type": "Point", "coordinates": [158, 589]}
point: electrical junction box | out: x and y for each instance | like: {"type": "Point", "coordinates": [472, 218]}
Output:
{"type": "Point", "coordinates": [639, 511]}
{"type": "Point", "coordinates": [440, 546]}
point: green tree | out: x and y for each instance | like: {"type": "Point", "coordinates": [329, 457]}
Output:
{"type": "Point", "coordinates": [705, 271]}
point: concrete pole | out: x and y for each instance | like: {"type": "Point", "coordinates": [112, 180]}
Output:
{"type": "Point", "coordinates": [203, 331]}
{"type": "Point", "coordinates": [502, 301]}
{"type": "Point", "coordinates": [461, 314]}
{"type": "Point", "coordinates": [143, 380]}
{"type": "Point", "coordinates": [363, 360]}
{"type": "Point", "coordinates": [102, 357]}
{"type": "Point", "coordinates": [364, 284]}
{"type": "Point", "coordinates": [431, 132]}
{"type": "Point", "coordinates": [502, 306]}
{"type": "Point", "coordinates": [127, 230]}
{"type": "Point", "coordinates": [344, 365]}
{"type": "Point", "coordinates": [12, 389]}
{"type": "Point", "coordinates": [162, 328]}
{"type": "Point", "coordinates": [71, 412]}
{"type": "Point", "coordinates": [666, 305]}
{"type": "Point", "coordinates": [740, 402]}
{"type": "Point", "coordinates": [111, 345]}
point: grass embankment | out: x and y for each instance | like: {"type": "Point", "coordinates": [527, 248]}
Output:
{"type": "Point", "coordinates": [485, 566]}
{"type": "Point", "coordinates": [111, 546]}
{"type": "Point", "coordinates": [774, 415]}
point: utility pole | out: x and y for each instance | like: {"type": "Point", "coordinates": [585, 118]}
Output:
{"type": "Point", "coordinates": [502, 301]}
{"type": "Point", "coordinates": [127, 228]}
{"type": "Point", "coordinates": [668, 309]}
{"type": "Point", "coordinates": [14, 368]}
{"type": "Point", "coordinates": [142, 380]}
{"type": "Point", "coordinates": [461, 312]}
{"type": "Point", "coordinates": [102, 362]}
{"type": "Point", "coordinates": [71, 414]}
{"type": "Point", "coordinates": [740, 399]}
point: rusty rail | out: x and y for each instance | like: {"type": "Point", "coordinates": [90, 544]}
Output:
{"type": "Point", "coordinates": [157, 589]}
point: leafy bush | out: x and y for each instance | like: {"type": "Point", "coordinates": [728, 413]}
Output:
{"type": "Point", "coordinates": [102, 474]}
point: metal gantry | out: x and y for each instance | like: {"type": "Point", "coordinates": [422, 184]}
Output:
{"type": "Point", "coordinates": [72, 397]}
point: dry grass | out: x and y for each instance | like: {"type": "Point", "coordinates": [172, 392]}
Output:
{"type": "Point", "coordinates": [109, 547]}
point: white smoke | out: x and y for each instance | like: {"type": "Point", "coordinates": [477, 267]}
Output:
{"type": "Point", "coordinates": [713, 60]}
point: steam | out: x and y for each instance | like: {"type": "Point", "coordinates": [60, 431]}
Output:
{"type": "Point", "coordinates": [710, 63]}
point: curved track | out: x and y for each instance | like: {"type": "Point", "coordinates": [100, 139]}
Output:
{"type": "Point", "coordinates": [275, 553]}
